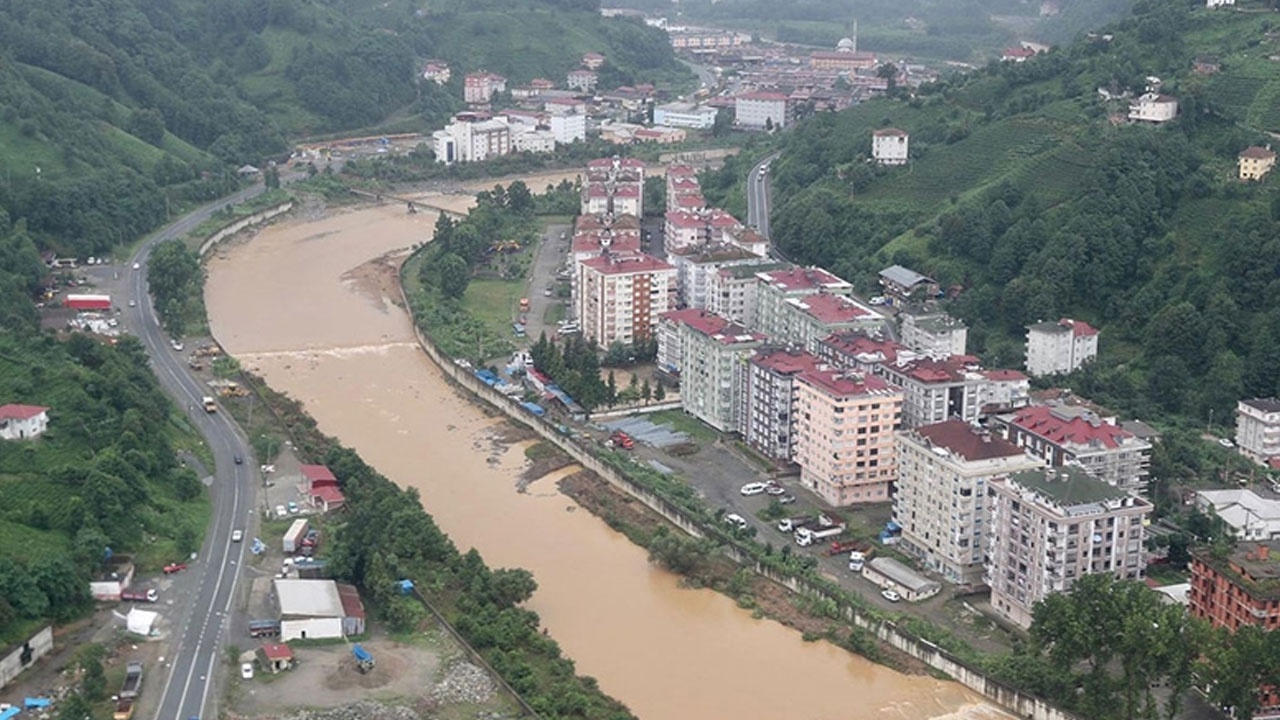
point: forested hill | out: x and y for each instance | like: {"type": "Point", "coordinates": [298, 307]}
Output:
{"type": "Point", "coordinates": [114, 113]}
{"type": "Point", "coordinates": [1029, 191]}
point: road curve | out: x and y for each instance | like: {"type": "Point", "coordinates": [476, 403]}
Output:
{"type": "Point", "coordinates": [199, 625]}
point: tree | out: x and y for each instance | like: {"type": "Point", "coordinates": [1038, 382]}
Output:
{"type": "Point", "coordinates": [646, 392]}
{"type": "Point", "coordinates": [93, 683]}
{"type": "Point", "coordinates": [453, 276]}
{"type": "Point", "coordinates": [659, 392]}
{"type": "Point", "coordinates": [723, 124]}
{"type": "Point", "coordinates": [612, 394]}
{"type": "Point", "coordinates": [519, 199]}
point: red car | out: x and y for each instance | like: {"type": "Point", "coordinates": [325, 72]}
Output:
{"type": "Point", "coordinates": [174, 567]}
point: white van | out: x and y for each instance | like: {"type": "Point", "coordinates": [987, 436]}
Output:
{"type": "Point", "coordinates": [736, 520]}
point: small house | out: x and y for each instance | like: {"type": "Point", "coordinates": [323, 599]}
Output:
{"type": "Point", "coordinates": [902, 283]}
{"type": "Point", "coordinates": [890, 574]}
{"type": "Point", "coordinates": [23, 422]}
{"type": "Point", "coordinates": [1256, 162]}
{"type": "Point", "coordinates": [275, 657]}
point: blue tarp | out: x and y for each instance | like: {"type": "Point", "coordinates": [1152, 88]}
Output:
{"type": "Point", "coordinates": [534, 408]}
{"type": "Point", "coordinates": [487, 377]}
{"type": "Point", "coordinates": [37, 702]}
{"type": "Point", "coordinates": [361, 654]}
{"type": "Point", "coordinates": [6, 714]}
{"type": "Point", "coordinates": [406, 586]}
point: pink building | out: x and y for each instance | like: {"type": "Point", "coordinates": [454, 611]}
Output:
{"type": "Point", "coordinates": [845, 424]}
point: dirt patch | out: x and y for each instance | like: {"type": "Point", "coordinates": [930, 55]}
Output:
{"type": "Point", "coordinates": [379, 278]}
{"type": "Point", "coordinates": [621, 511]}
{"type": "Point", "coordinates": [543, 459]}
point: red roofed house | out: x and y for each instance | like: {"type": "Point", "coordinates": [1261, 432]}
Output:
{"type": "Point", "coordinates": [87, 302]}
{"type": "Point", "coordinates": [709, 353]}
{"type": "Point", "coordinates": [1070, 434]}
{"type": "Point", "coordinates": [1017, 54]}
{"type": "Point", "coordinates": [768, 418]}
{"type": "Point", "coordinates": [593, 61]}
{"type": "Point", "coordinates": [352, 610]}
{"type": "Point", "coordinates": [322, 488]}
{"type": "Point", "coordinates": [275, 657]}
{"type": "Point", "coordinates": [761, 110]}
{"type": "Point", "coordinates": [23, 422]}
{"type": "Point", "coordinates": [1060, 347]}
{"type": "Point", "coordinates": [940, 499]}
{"type": "Point", "coordinates": [844, 435]}
{"type": "Point", "coordinates": [620, 296]}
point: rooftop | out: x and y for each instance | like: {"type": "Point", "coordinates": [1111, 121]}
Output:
{"type": "Point", "coordinates": [890, 132]}
{"type": "Point", "coordinates": [713, 326]}
{"type": "Point", "coordinates": [795, 279]}
{"type": "Point", "coordinates": [351, 605]}
{"type": "Point", "coordinates": [714, 252]}
{"type": "Point", "coordinates": [1003, 375]}
{"type": "Point", "coordinates": [1257, 153]}
{"type": "Point", "coordinates": [308, 598]}
{"type": "Point", "coordinates": [1078, 328]}
{"type": "Point", "coordinates": [1266, 405]}
{"type": "Point", "coordinates": [844, 383]}
{"type": "Point", "coordinates": [966, 442]}
{"type": "Point", "coordinates": [1067, 486]}
{"type": "Point", "coordinates": [1253, 566]}
{"type": "Point", "coordinates": [858, 344]}
{"type": "Point", "coordinates": [277, 651]}
{"type": "Point", "coordinates": [316, 473]}
{"type": "Point", "coordinates": [785, 361]}
{"type": "Point", "coordinates": [1067, 426]}
{"type": "Point", "coordinates": [763, 97]}
{"type": "Point", "coordinates": [596, 240]}
{"type": "Point", "coordinates": [830, 309]}
{"type": "Point", "coordinates": [14, 411]}
{"type": "Point", "coordinates": [929, 370]}
{"type": "Point", "coordinates": [742, 272]}
{"type": "Point", "coordinates": [902, 575]}
{"type": "Point", "coordinates": [610, 264]}
{"type": "Point", "coordinates": [903, 276]}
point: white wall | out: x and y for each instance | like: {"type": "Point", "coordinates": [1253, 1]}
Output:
{"type": "Point", "coordinates": [310, 628]}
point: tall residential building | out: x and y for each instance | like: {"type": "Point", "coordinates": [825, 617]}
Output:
{"type": "Point", "coordinates": [937, 390]}
{"type": "Point", "coordinates": [1051, 526]}
{"type": "Point", "coordinates": [583, 80]}
{"type": "Point", "coordinates": [1065, 434]}
{"type": "Point", "coordinates": [696, 264]}
{"type": "Point", "coordinates": [768, 417]}
{"type": "Point", "coordinates": [940, 499]}
{"type": "Point", "coordinates": [861, 350]}
{"type": "Point", "coordinates": [569, 129]}
{"type": "Point", "coordinates": [1258, 428]}
{"type": "Point", "coordinates": [933, 333]}
{"type": "Point", "coordinates": [779, 286]}
{"type": "Point", "coordinates": [889, 146]}
{"type": "Point", "coordinates": [1242, 588]}
{"type": "Point", "coordinates": [733, 292]}
{"type": "Point", "coordinates": [685, 229]}
{"type": "Point", "coordinates": [807, 320]}
{"type": "Point", "coordinates": [470, 139]}
{"type": "Point", "coordinates": [844, 435]}
{"type": "Point", "coordinates": [621, 297]}
{"type": "Point", "coordinates": [712, 363]}
{"type": "Point", "coordinates": [761, 110]}
{"type": "Point", "coordinates": [478, 88]}
{"type": "Point", "coordinates": [613, 186]}
{"type": "Point", "coordinates": [1060, 347]}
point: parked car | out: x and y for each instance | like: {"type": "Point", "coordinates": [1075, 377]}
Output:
{"type": "Point", "coordinates": [281, 511]}
{"type": "Point", "coordinates": [755, 488]}
{"type": "Point", "coordinates": [293, 508]}
{"type": "Point", "coordinates": [137, 266]}
{"type": "Point", "coordinates": [775, 489]}
{"type": "Point", "coordinates": [736, 520]}
{"type": "Point", "coordinates": [1226, 443]}
{"type": "Point", "coordinates": [246, 671]}
{"type": "Point", "coordinates": [172, 568]}
{"type": "Point", "coordinates": [890, 595]}
{"type": "Point", "coordinates": [787, 499]}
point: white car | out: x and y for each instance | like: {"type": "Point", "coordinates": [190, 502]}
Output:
{"type": "Point", "coordinates": [1226, 443]}
{"type": "Point", "coordinates": [176, 345]}
{"type": "Point", "coordinates": [281, 511]}
{"type": "Point", "coordinates": [756, 488]}
{"type": "Point", "coordinates": [237, 535]}
{"type": "Point", "coordinates": [133, 303]}
{"type": "Point", "coordinates": [890, 595]}
{"type": "Point", "coordinates": [736, 520]}
{"type": "Point", "coordinates": [137, 266]}
{"type": "Point", "coordinates": [246, 671]}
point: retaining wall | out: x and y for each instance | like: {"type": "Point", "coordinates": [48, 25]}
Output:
{"type": "Point", "coordinates": [237, 225]}
{"type": "Point", "coordinates": [26, 654]}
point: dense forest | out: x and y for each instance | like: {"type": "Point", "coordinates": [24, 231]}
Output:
{"type": "Point", "coordinates": [118, 113]}
{"type": "Point", "coordinates": [1032, 201]}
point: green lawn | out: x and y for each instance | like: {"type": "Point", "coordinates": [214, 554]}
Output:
{"type": "Point", "coordinates": [496, 303]}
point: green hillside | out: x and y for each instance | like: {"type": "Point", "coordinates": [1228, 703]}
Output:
{"type": "Point", "coordinates": [1028, 195]}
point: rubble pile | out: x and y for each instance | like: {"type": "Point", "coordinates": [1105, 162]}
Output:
{"type": "Point", "coordinates": [363, 710]}
{"type": "Point", "coordinates": [464, 683]}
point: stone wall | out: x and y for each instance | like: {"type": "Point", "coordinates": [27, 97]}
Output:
{"type": "Point", "coordinates": [26, 654]}
{"type": "Point", "coordinates": [237, 225]}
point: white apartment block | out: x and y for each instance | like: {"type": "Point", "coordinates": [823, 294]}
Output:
{"type": "Point", "coordinates": [569, 129]}
{"type": "Point", "coordinates": [936, 390]}
{"type": "Point", "coordinates": [1060, 347]}
{"type": "Point", "coordinates": [1072, 435]}
{"type": "Point", "coordinates": [934, 334]}
{"type": "Point", "coordinates": [697, 264]}
{"type": "Point", "coordinates": [844, 445]}
{"type": "Point", "coordinates": [613, 186]}
{"type": "Point", "coordinates": [621, 296]}
{"type": "Point", "coordinates": [1258, 428]}
{"type": "Point", "coordinates": [712, 363]}
{"type": "Point", "coordinates": [861, 350]}
{"type": "Point", "coordinates": [779, 286]}
{"type": "Point", "coordinates": [760, 110]}
{"type": "Point", "coordinates": [534, 141]}
{"type": "Point", "coordinates": [805, 321]}
{"type": "Point", "coordinates": [889, 146]}
{"type": "Point", "coordinates": [767, 419]}
{"type": "Point", "coordinates": [1154, 108]}
{"type": "Point", "coordinates": [733, 292]}
{"type": "Point", "coordinates": [1052, 526]}
{"type": "Point", "coordinates": [940, 499]}
{"type": "Point", "coordinates": [583, 80]}
{"type": "Point", "coordinates": [471, 141]}
{"type": "Point", "coordinates": [685, 115]}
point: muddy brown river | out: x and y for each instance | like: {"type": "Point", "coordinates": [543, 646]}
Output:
{"type": "Point", "coordinates": [300, 305]}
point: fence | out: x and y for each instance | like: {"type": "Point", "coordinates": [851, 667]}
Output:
{"type": "Point", "coordinates": [1024, 705]}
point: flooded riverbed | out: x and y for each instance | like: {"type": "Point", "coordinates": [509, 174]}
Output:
{"type": "Point", "coordinates": [301, 305]}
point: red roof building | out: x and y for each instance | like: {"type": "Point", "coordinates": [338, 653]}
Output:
{"type": "Point", "coordinates": [22, 422]}
{"type": "Point", "coordinates": [87, 302]}
{"type": "Point", "coordinates": [1065, 434]}
{"type": "Point", "coordinates": [857, 350]}
{"type": "Point", "coordinates": [768, 419]}
{"type": "Point", "coordinates": [318, 476]}
{"type": "Point", "coordinates": [353, 615]}
{"type": "Point", "coordinates": [326, 498]}
{"type": "Point", "coordinates": [275, 657]}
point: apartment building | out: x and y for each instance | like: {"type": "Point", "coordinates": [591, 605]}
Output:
{"type": "Point", "coordinates": [940, 500]}
{"type": "Point", "coordinates": [568, 129]}
{"type": "Point", "coordinates": [1153, 108]}
{"type": "Point", "coordinates": [621, 296]}
{"type": "Point", "coordinates": [470, 139]}
{"type": "Point", "coordinates": [844, 435]}
{"type": "Point", "coordinates": [696, 264]}
{"type": "Point", "coordinates": [937, 390]}
{"type": "Point", "coordinates": [712, 355]}
{"type": "Point", "coordinates": [1060, 347]}
{"type": "Point", "coordinates": [1240, 589]}
{"type": "Point", "coordinates": [760, 110]}
{"type": "Point", "coordinates": [807, 320]}
{"type": "Point", "coordinates": [1258, 429]}
{"type": "Point", "coordinates": [583, 80]}
{"type": "Point", "coordinates": [1003, 391]}
{"type": "Point", "coordinates": [1051, 526]}
{"type": "Point", "coordinates": [684, 192]}
{"type": "Point", "coordinates": [779, 286]}
{"type": "Point", "coordinates": [861, 350]}
{"type": "Point", "coordinates": [1063, 435]}
{"type": "Point", "coordinates": [684, 228]}
{"type": "Point", "coordinates": [613, 186]}
{"type": "Point", "coordinates": [685, 115]}
{"type": "Point", "coordinates": [748, 239]}
{"type": "Point", "coordinates": [767, 419]}
{"type": "Point", "coordinates": [733, 291]}
{"type": "Point", "coordinates": [933, 333]}
{"type": "Point", "coordinates": [889, 146]}
{"type": "Point", "coordinates": [479, 88]}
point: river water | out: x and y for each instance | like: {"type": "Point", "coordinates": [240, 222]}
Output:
{"type": "Point", "coordinates": [298, 305]}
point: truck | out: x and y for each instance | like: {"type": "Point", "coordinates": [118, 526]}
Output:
{"type": "Point", "coordinates": [210, 405]}
{"type": "Point", "coordinates": [293, 538]}
{"type": "Point", "coordinates": [264, 628]}
{"type": "Point", "coordinates": [858, 558]}
{"type": "Point", "coordinates": [132, 681]}
{"type": "Point", "coordinates": [807, 536]}
{"type": "Point", "coordinates": [791, 524]}
{"type": "Point", "coordinates": [841, 547]}
{"type": "Point", "coordinates": [123, 711]}
{"type": "Point", "coordinates": [149, 595]}
{"type": "Point", "coordinates": [364, 661]}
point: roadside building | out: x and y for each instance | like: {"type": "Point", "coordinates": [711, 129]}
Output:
{"type": "Point", "coordinates": [1256, 162]}
{"type": "Point", "coordinates": [1257, 429]}
{"type": "Point", "coordinates": [768, 417]}
{"type": "Point", "coordinates": [889, 146]}
{"type": "Point", "coordinates": [844, 435]}
{"type": "Point", "coordinates": [1050, 527]}
{"type": "Point", "coordinates": [308, 609]}
{"type": "Point", "coordinates": [933, 333]}
{"type": "Point", "coordinates": [275, 658]}
{"type": "Point", "coordinates": [748, 239]}
{"type": "Point", "coordinates": [733, 292]}
{"type": "Point", "coordinates": [890, 574]}
{"type": "Point", "coordinates": [622, 296]}
{"type": "Point", "coordinates": [1060, 347]}
{"type": "Point", "coordinates": [1068, 435]}
{"type": "Point", "coordinates": [902, 284]}
{"type": "Point", "coordinates": [321, 488]}
{"type": "Point", "coordinates": [471, 139]}
{"type": "Point", "coordinates": [695, 265]}
{"type": "Point", "coordinates": [940, 499]}
{"type": "Point", "coordinates": [779, 286]}
{"type": "Point", "coordinates": [712, 354]}
{"type": "Point", "coordinates": [353, 615]}
{"type": "Point", "coordinates": [685, 115]}
{"type": "Point", "coordinates": [23, 422]}
{"type": "Point", "coordinates": [761, 110]}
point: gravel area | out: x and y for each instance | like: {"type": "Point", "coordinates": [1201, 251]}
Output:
{"type": "Point", "coordinates": [464, 683]}
{"type": "Point", "coordinates": [363, 710]}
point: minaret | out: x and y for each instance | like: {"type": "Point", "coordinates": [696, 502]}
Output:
{"type": "Point", "coordinates": [855, 35]}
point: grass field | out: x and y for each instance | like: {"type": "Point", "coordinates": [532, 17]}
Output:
{"type": "Point", "coordinates": [494, 303]}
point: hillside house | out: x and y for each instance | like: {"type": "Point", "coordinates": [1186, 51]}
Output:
{"type": "Point", "coordinates": [1256, 162]}
{"type": "Point", "coordinates": [1060, 347]}
{"type": "Point", "coordinates": [902, 283]}
{"type": "Point", "coordinates": [1153, 108]}
{"type": "Point", "coordinates": [889, 146]}
{"type": "Point", "coordinates": [22, 422]}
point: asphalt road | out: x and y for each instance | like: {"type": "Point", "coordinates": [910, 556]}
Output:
{"type": "Point", "coordinates": [198, 634]}
{"type": "Point", "coordinates": [758, 196]}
